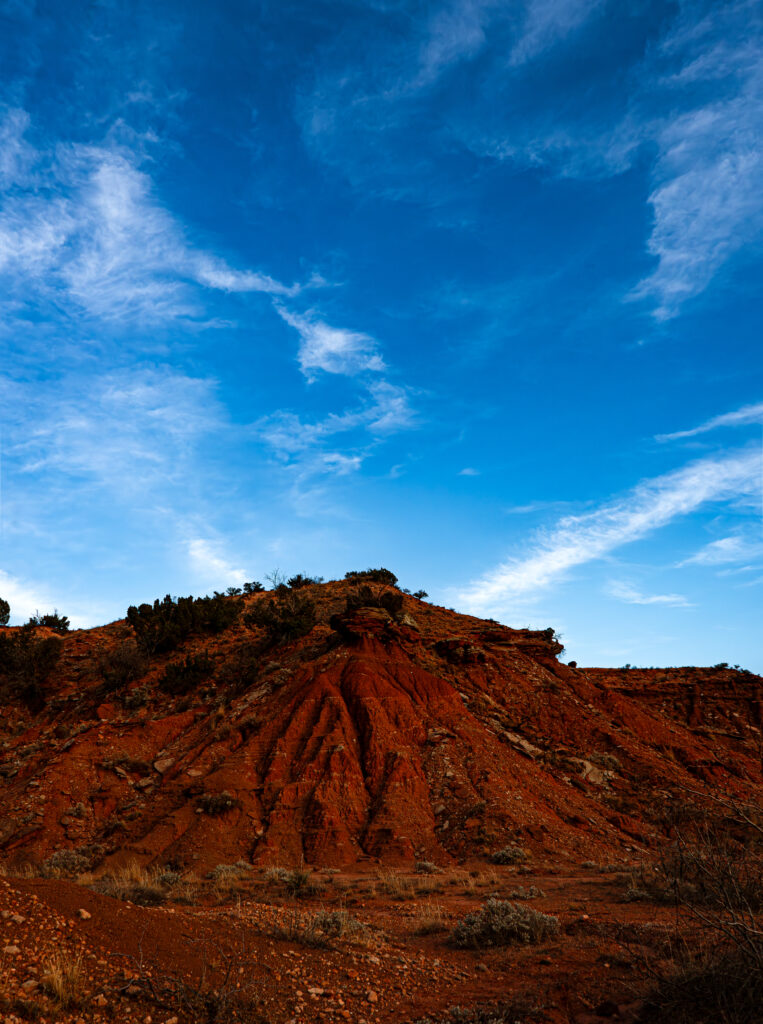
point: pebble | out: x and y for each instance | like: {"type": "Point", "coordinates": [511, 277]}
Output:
{"type": "Point", "coordinates": [84, 915]}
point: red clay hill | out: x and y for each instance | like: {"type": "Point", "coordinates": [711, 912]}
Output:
{"type": "Point", "coordinates": [346, 722]}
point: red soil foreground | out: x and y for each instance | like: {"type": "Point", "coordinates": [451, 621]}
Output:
{"type": "Point", "coordinates": [370, 744]}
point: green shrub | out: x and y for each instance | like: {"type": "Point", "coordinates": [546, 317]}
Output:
{"type": "Point", "coordinates": [58, 623]}
{"type": "Point", "coordinates": [123, 665]}
{"type": "Point", "coordinates": [372, 576]}
{"type": "Point", "coordinates": [26, 662]}
{"type": "Point", "coordinates": [161, 627]}
{"type": "Point", "coordinates": [284, 618]}
{"type": "Point", "coordinates": [368, 597]}
{"type": "Point", "coordinates": [181, 677]}
{"type": "Point", "coordinates": [5, 612]}
{"type": "Point", "coordinates": [501, 923]}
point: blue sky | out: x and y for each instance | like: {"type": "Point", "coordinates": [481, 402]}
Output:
{"type": "Point", "coordinates": [470, 290]}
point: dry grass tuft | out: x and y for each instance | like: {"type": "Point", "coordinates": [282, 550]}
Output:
{"type": "Point", "coordinates": [64, 979]}
{"type": "Point", "coordinates": [429, 918]}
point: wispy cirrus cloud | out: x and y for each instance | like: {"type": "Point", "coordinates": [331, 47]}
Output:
{"type": "Point", "coordinates": [689, 106]}
{"type": "Point", "coordinates": [548, 21]}
{"type": "Point", "coordinates": [627, 593]}
{"type": "Point", "coordinates": [727, 550]}
{"type": "Point", "coordinates": [83, 225]}
{"type": "Point", "coordinates": [311, 446]}
{"type": "Point", "coordinates": [738, 418]}
{"type": "Point", "coordinates": [133, 429]}
{"type": "Point", "coordinates": [331, 349]}
{"type": "Point", "coordinates": [211, 566]}
{"type": "Point", "coordinates": [577, 540]}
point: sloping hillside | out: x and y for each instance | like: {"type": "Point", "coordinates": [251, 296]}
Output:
{"type": "Point", "coordinates": [401, 732]}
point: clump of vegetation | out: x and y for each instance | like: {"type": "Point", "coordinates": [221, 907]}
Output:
{"type": "Point", "coordinates": [5, 612]}
{"type": "Point", "coordinates": [26, 662]}
{"type": "Point", "coordinates": [426, 867]}
{"type": "Point", "coordinates": [383, 576]}
{"type": "Point", "coordinates": [338, 924]}
{"type": "Point", "coordinates": [286, 617]}
{"type": "Point", "coordinates": [161, 627]}
{"type": "Point", "coordinates": [429, 918]}
{"type": "Point", "coordinates": [320, 929]}
{"type": "Point", "coordinates": [713, 873]}
{"type": "Point", "coordinates": [299, 581]}
{"type": "Point", "coordinates": [708, 869]}
{"type": "Point", "coordinates": [241, 668]}
{"type": "Point", "coordinates": [181, 677]}
{"type": "Point", "coordinates": [298, 882]}
{"type": "Point", "coordinates": [65, 864]}
{"type": "Point", "coordinates": [146, 887]}
{"type": "Point", "coordinates": [224, 874]}
{"type": "Point", "coordinates": [255, 587]}
{"type": "Point", "coordinates": [502, 923]}
{"type": "Point", "coordinates": [58, 623]}
{"type": "Point", "coordinates": [123, 665]}
{"type": "Point", "coordinates": [217, 803]}
{"type": "Point", "coordinates": [510, 854]}
{"type": "Point", "coordinates": [64, 978]}
{"type": "Point", "coordinates": [365, 596]}
{"type": "Point", "coordinates": [530, 893]}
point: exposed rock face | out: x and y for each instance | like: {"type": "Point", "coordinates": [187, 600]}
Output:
{"type": "Point", "coordinates": [423, 735]}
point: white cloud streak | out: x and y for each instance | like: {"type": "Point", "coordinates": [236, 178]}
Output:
{"type": "Point", "coordinates": [739, 418]}
{"type": "Point", "coordinates": [726, 550]}
{"type": "Point", "coordinates": [576, 540]}
{"type": "Point", "coordinates": [211, 567]}
{"type": "Point", "coordinates": [627, 593]}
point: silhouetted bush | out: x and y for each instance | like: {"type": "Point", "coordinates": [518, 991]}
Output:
{"type": "Point", "coordinates": [161, 627]}
{"type": "Point", "coordinates": [183, 676]}
{"type": "Point", "coordinates": [26, 662]}
{"type": "Point", "coordinates": [255, 587]}
{"type": "Point", "coordinates": [419, 594]}
{"type": "Point", "coordinates": [288, 616]}
{"type": "Point", "coordinates": [58, 623]}
{"type": "Point", "coordinates": [365, 596]}
{"type": "Point", "coordinates": [123, 665]}
{"type": "Point", "coordinates": [233, 592]}
{"type": "Point", "coordinates": [714, 873]}
{"type": "Point", "coordinates": [5, 612]}
{"type": "Point", "coordinates": [372, 576]}
{"type": "Point", "coordinates": [299, 581]}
